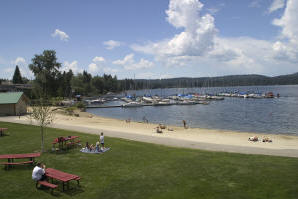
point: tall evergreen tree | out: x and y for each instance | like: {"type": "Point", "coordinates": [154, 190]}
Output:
{"type": "Point", "coordinates": [17, 77]}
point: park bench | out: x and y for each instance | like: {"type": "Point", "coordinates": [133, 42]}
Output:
{"type": "Point", "coordinates": [47, 184]}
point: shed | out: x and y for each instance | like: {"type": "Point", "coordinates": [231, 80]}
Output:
{"type": "Point", "coordinates": [13, 103]}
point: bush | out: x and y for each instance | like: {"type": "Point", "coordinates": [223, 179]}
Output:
{"type": "Point", "coordinates": [81, 106]}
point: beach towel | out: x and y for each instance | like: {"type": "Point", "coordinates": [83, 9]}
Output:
{"type": "Point", "coordinates": [85, 150]}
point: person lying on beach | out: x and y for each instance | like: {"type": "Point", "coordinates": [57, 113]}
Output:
{"type": "Point", "coordinates": [253, 138]}
{"type": "Point", "coordinates": [127, 121]}
{"type": "Point", "coordinates": [158, 130]}
{"type": "Point", "coordinates": [162, 126]}
{"type": "Point", "coordinates": [267, 139]}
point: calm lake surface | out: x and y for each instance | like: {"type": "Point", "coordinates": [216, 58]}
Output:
{"type": "Point", "coordinates": [275, 115]}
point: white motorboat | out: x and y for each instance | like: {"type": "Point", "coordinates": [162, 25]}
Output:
{"type": "Point", "coordinates": [132, 104]}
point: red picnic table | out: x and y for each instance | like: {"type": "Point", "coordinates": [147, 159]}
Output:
{"type": "Point", "coordinates": [11, 157]}
{"type": "Point", "coordinates": [2, 131]}
{"type": "Point", "coordinates": [66, 141]}
{"type": "Point", "coordinates": [61, 176]}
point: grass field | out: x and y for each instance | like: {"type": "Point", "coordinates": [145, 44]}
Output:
{"type": "Point", "coordinates": [139, 170]}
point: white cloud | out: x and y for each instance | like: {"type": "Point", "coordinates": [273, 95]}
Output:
{"type": "Point", "coordinates": [128, 59]}
{"type": "Point", "coordinates": [199, 46]}
{"type": "Point", "coordinates": [276, 5]}
{"type": "Point", "coordinates": [129, 63]}
{"type": "Point", "coordinates": [19, 61]}
{"type": "Point", "coordinates": [109, 70]}
{"type": "Point", "coordinates": [71, 66]}
{"type": "Point", "coordinates": [62, 35]}
{"type": "Point", "coordinates": [197, 37]}
{"type": "Point", "coordinates": [111, 44]}
{"type": "Point", "coordinates": [286, 48]}
{"type": "Point", "coordinates": [98, 59]}
{"type": "Point", "coordinates": [93, 68]}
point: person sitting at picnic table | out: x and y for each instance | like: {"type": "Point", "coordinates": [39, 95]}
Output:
{"type": "Point", "coordinates": [102, 140]}
{"type": "Point", "coordinates": [38, 172]}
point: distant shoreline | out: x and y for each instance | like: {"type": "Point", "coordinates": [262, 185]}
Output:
{"type": "Point", "coordinates": [195, 138]}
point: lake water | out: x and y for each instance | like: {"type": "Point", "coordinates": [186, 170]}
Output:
{"type": "Point", "coordinates": [274, 115]}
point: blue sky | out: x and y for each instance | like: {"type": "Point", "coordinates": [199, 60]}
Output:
{"type": "Point", "coordinates": [152, 39]}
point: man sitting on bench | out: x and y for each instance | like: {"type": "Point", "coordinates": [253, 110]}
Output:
{"type": "Point", "coordinates": [39, 173]}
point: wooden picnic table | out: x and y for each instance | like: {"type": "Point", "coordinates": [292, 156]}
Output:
{"type": "Point", "coordinates": [2, 131]}
{"type": "Point", "coordinates": [61, 176]}
{"type": "Point", "coordinates": [11, 157]}
{"type": "Point", "coordinates": [65, 141]}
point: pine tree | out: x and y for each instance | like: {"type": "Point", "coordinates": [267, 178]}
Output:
{"type": "Point", "coordinates": [17, 78]}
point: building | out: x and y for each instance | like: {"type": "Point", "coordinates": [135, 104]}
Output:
{"type": "Point", "coordinates": [13, 103]}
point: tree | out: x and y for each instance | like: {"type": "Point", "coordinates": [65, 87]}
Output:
{"type": "Point", "coordinates": [17, 78]}
{"type": "Point", "coordinates": [46, 71]}
{"type": "Point", "coordinates": [44, 115]}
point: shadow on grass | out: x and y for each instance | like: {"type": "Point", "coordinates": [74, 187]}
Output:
{"type": "Point", "coordinates": [72, 191]}
{"type": "Point", "coordinates": [61, 151]}
{"type": "Point", "coordinates": [18, 167]}
{"type": "Point", "coordinates": [48, 190]}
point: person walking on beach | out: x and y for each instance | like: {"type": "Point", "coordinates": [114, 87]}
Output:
{"type": "Point", "coordinates": [102, 140]}
{"type": "Point", "coordinates": [184, 124]}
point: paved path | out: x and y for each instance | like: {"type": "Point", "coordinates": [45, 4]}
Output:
{"type": "Point", "coordinates": [171, 141]}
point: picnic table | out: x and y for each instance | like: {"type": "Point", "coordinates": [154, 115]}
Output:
{"type": "Point", "coordinates": [65, 141]}
{"type": "Point", "coordinates": [2, 131]}
{"type": "Point", "coordinates": [11, 157]}
{"type": "Point", "coordinates": [61, 176]}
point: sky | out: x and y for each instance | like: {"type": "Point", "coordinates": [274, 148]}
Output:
{"type": "Point", "coordinates": [152, 39]}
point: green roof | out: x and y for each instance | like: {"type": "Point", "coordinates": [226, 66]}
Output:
{"type": "Point", "coordinates": [10, 98]}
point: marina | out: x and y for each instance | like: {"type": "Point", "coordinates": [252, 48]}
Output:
{"type": "Point", "coordinates": [266, 115]}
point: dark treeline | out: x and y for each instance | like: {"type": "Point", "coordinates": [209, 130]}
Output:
{"type": "Point", "coordinates": [232, 80]}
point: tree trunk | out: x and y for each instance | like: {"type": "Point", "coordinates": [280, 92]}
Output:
{"type": "Point", "coordinates": [42, 140]}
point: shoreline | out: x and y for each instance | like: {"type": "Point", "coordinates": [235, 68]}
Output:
{"type": "Point", "coordinates": [195, 138]}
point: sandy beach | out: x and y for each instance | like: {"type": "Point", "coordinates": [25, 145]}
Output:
{"type": "Point", "coordinates": [205, 139]}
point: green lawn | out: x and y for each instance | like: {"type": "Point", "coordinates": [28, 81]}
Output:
{"type": "Point", "coordinates": [139, 170]}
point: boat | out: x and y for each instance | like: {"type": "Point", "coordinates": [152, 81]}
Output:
{"type": "Point", "coordinates": [186, 102]}
{"type": "Point", "coordinates": [269, 95]}
{"type": "Point", "coordinates": [132, 104]}
{"type": "Point", "coordinates": [126, 99]}
{"type": "Point", "coordinates": [148, 100]}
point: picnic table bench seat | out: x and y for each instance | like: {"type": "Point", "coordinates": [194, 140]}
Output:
{"type": "Point", "coordinates": [47, 184]}
{"type": "Point", "coordinates": [16, 163]}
